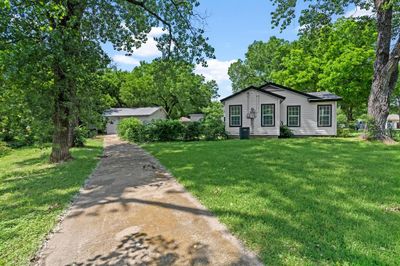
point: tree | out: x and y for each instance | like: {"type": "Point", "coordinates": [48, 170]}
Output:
{"type": "Point", "coordinates": [336, 57]}
{"type": "Point", "coordinates": [262, 58]}
{"type": "Point", "coordinates": [170, 84]}
{"type": "Point", "coordinates": [347, 69]}
{"type": "Point", "coordinates": [111, 84]}
{"type": "Point", "coordinates": [64, 37]}
{"type": "Point", "coordinates": [386, 67]}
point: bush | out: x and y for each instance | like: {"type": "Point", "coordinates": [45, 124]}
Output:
{"type": "Point", "coordinates": [165, 130]}
{"type": "Point", "coordinates": [4, 149]}
{"type": "Point", "coordinates": [193, 131]}
{"type": "Point", "coordinates": [344, 132]}
{"type": "Point", "coordinates": [80, 135]}
{"type": "Point", "coordinates": [213, 126]}
{"type": "Point", "coordinates": [372, 129]}
{"type": "Point", "coordinates": [130, 129]}
{"type": "Point", "coordinates": [285, 132]}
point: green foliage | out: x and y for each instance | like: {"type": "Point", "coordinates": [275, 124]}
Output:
{"type": "Point", "coordinates": [261, 60]}
{"type": "Point", "coordinates": [210, 128]}
{"type": "Point", "coordinates": [170, 84]}
{"type": "Point", "coordinates": [341, 119]}
{"type": "Point", "coordinates": [81, 133]}
{"type": "Point", "coordinates": [51, 56]}
{"type": "Point", "coordinates": [34, 195]}
{"type": "Point", "coordinates": [193, 130]}
{"type": "Point", "coordinates": [336, 58]}
{"type": "Point", "coordinates": [285, 132]}
{"type": "Point", "coordinates": [130, 129]}
{"type": "Point", "coordinates": [373, 128]}
{"type": "Point", "coordinates": [213, 125]}
{"type": "Point", "coordinates": [320, 201]}
{"type": "Point", "coordinates": [344, 132]}
{"type": "Point", "coordinates": [4, 149]}
{"type": "Point", "coordinates": [167, 130]}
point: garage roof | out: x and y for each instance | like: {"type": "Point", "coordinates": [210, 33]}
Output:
{"type": "Point", "coordinates": [141, 111]}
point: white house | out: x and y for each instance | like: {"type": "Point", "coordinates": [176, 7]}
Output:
{"type": "Point", "coordinates": [393, 121]}
{"type": "Point", "coordinates": [145, 114]}
{"type": "Point", "coordinates": [264, 109]}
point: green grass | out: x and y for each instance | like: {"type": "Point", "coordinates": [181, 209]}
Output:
{"type": "Point", "coordinates": [309, 201]}
{"type": "Point", "coordinates": [33, 193]}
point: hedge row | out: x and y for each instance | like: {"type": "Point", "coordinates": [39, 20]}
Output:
{"type": "Point", "coordinates": [134, 130]}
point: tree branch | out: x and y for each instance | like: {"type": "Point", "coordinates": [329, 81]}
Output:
{"type": "Point", "coordinates": [142, 4]}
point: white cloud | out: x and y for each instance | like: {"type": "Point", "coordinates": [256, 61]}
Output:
{"type": "Point", "coordinates": [217, 70]}
{"type": "Point", "coordinates": [358, 12]}
{"type": "Point", "coordinates": [156, 32]}
{"type": "Point", "coordinates": [149, 48]}
{"type": "Point", "coordinates": [123, 59]}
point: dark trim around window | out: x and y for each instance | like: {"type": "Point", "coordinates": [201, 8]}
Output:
{"type": "Point", "coordinates": [261, 115]}
{"type": "Point", "coordinates": [241, 115]}
{"type": "Point", "coordinates": [330, 114]}
{"type": "Point", "coordinates": [287, 115]}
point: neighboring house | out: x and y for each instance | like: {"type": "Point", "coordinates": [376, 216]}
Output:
{"type": "Point", "coordinates": [264, 109]}
{"type": "Point", "coordinates": [184, 119]}
{"type": "Point", "coordinates": [145, 114]}
{"type": "Point", "coordinates": [192, 118]}
{"type": "Point", "coordinates": [393, 121]}
{"type": "Point", "coordinates": [196, 117]}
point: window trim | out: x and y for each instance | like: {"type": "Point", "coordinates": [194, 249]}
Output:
{"type": "Point", "coordinates": [241, 115]}
{"type": "Point", "coordinates": [330, 114]}
{"type": "Point", "coordinates": [287, 115]}
{"type": "Point", "coordinates": [261, 115]}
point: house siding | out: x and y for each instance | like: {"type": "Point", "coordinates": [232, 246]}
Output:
{"type": "Point", "coordinates": [253, 99]}
{"type": "Point", "coordinates": [308, 114]}
{"type": "Point", "coordinates": [113, 121]}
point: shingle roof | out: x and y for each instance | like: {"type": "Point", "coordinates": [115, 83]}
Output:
{"type": "Point", "coordinates": [325, 95]}
{"type": "Point", "coordinates": [141, 111]}
{"type": "Point", "coordinates": [254, 88]}
{"type": "Point", "coordinates": [312, 96]}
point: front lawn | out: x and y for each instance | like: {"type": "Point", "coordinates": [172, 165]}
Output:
{"type": "Point", "coordinates": [298, 201]}
{"type": "Point", "coordinates": [33, 193]}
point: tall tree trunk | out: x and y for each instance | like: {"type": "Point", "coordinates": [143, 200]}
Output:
{"type": "Point", "coordinates": [65, 105]}
{"type": "Point", "coordinates": [385, 69]}
{"type": "Point", "coordinates": [60, 146]}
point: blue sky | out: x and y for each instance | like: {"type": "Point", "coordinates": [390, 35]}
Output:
{"type": "Point", "coordinates": [232, 25]}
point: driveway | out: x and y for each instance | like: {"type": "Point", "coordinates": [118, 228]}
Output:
{"type": "Point", "coordinates": [132, 212]}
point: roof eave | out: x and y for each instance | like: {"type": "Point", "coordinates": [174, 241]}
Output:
{"type": "Point", "coordinates": [255, 88]}
{"type": "Point", "coordinates": [325, 100]}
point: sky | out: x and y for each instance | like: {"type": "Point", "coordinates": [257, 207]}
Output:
{"type": "Point", "coordinates": [232, 25]}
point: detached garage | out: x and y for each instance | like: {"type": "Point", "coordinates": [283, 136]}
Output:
{"type": "Point", "coordinates": [145, 114]}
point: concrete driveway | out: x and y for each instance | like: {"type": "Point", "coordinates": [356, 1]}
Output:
{"type": "Point", "coordinates": [132, 212]}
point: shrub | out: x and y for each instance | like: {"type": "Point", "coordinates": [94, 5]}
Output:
{"type": "Point", "coordinates": [341, 119]}
{"type": "Point", "coordinates": [80, 135]}
{"type": "Point", "coordinates": [344, 132]}
{"type": "Point", "coordinates": [130, 129]}
{"type": "Point", "coordinates": [372, 129]}
{"type": "Point", "coordinates": [165, 130]}
{"type": "Point", "coordinates": [285, 132]}
{"type": "Point", "coordinates": [193, 131]}
{"type": "Point", "coordinates": [4, 149]}
{"type": "Point", "coordinates": [213, 126]}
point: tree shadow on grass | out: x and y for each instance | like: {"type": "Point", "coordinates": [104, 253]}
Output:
{"type": "Point", "coordinates": [33, 194]}
{"type": "Point", "coordinates": [299, 201]}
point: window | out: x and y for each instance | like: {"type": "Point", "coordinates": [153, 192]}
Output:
{"type": "Point", "coordinates": [235, 115]}
{"type": "Point", "coordinates": [293, 116]}
{"type": "Point", "coordinates": [268, 115]}
{"type": "Point", "coordinates": [324, 115]}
